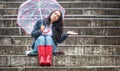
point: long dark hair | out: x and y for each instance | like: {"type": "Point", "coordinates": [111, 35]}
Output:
{"type": "Point", "coordinates": [57, 24]}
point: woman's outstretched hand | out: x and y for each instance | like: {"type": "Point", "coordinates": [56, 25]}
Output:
{"type": "Point", "coordinates": [71, 33]}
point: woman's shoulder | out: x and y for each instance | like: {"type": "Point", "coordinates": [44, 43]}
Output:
{"type": "Point", "coordinates": [39, 21]}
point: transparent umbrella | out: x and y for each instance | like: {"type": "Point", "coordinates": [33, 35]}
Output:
{"type": "Point", "coordinates": [33, 10]}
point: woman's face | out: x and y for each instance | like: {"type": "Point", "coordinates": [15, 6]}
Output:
{"type": "Point", "coordinates": [55, 16]}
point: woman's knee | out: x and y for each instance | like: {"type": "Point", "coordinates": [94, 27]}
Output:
{"type": "Point", "coordinates": [49, 40]}
{"type": "Point", "coordinates": [41, 40]}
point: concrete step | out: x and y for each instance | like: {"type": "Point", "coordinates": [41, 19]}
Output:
{"type": "Point", "coordinates": [86, 50]}
{"type": "Point", "coordinates": [70, 4]}
{"type": "Point", "coordinates": [76, 40]}
{"type": "Point", "coordinates": [61, 60]}
{"type": "Point", "coordinates": [82, 22]}
{"type": "Point", "coordinates": [98, 31]}
{"type": "Point", "coordinates": [71, 16]}
{"type": "Point", "coordinates": [62, 68]}
{"type": "Point", "coordinates": [91, 16]}
{"type": "Point", "coordinates": [82, 11]}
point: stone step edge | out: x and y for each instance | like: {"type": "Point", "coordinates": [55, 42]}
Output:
{"type": "Point", "coordinates": [87, 55]}
{"type": "Point", "coordinates": [72, 27]}
{"type": "Point", "coordinates": [28, 36]}
{"type": "Point", "coordinates": [69, 2]}
{"type": "Point", "coordinates": [80, 8]}
{"type": "Point", "coordinates": [73, 15]}
{"type": "Point", "coordinates": [64, 67]}
{"type": "Point", "coordinates": [59, 45]}
{"type": "Point", "coordinates": [72, 19]}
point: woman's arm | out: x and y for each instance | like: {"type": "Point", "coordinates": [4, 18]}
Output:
{"type": "Point", "coordinates": [62, 38]}
{"type": "Point", "coordinates": [65, 35]}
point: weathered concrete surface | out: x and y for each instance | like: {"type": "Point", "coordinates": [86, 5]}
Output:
{"type": "Point", "coordinates": [62, 60]}
{"type": "Point", "coordinates": [68, 50]}
{"type": "Point", "coordinates": [88, 11]}
{"type": "Point", "coordinates": [76, 40]}
{"type": "Point", "coordinates": [81, 30]}
{"type": "Point", "coordinates": [71, 5]}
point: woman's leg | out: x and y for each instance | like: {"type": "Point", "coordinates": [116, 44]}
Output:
{"type": "Point", "coordinates": [54, 48]}
{"type": "Point", "coordinates": [41, 50]}
{"type": "Point", "coordinates": [48, 49]}
{"type": "Point", "coordinates": [40, 41]}
{"type": "Point", "coordinates": [49, 41]}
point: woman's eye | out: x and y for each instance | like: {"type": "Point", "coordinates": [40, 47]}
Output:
{"type": "Point", "coordinates": [55, 13]}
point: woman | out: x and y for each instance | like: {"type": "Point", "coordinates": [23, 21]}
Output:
{"type": "Point", "coordinates": [47, 34]}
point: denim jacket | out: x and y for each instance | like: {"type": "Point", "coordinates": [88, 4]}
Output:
{"type": "Point", "coordinates": [36, 33]}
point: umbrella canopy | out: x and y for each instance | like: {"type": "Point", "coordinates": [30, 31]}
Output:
{"type": "Point", "coordinates": [33, 10]}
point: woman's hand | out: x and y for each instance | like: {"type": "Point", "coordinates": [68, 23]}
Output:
{"type": "Point", "coordinates": [71, 33]}
{"type": "Point", "coordinates": [42, 28]}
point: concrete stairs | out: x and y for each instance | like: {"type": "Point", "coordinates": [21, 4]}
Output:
{"type": "Point", "coordinates": [95, 48]}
